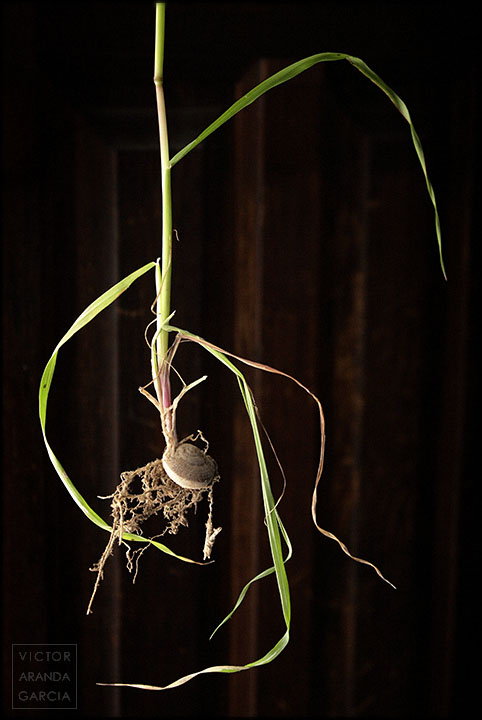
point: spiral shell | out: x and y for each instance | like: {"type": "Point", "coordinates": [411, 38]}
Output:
{"type": "Point", "coordinates": [189, 467]}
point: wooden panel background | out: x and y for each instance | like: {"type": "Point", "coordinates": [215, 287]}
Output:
{"type": "Point", "coordinates": [304, 240]}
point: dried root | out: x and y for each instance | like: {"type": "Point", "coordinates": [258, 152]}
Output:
{"type": "Point", "coordinates": [143, 493]}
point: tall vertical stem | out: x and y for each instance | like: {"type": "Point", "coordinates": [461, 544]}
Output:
{"type": "Point", "coordinates": [163, 272]}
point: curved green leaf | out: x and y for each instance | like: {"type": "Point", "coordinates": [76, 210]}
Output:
{"type": "Point", "coordinates": [275, 531]}
{"type": "Point", "coordinates": [84, 318]}
{"type": "Point", "coordinates": [292, 71]}
{"type": "Point", "coordinates": [261, 575]}
{"type": "Point", "coordinates": [273, 81]}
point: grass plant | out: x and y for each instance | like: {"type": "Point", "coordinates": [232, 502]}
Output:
{"type": "Point", "coordinates": [126, 528]}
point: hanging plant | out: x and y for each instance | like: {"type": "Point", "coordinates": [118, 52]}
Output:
{"type": "Point", "coordinates": [185, 475]}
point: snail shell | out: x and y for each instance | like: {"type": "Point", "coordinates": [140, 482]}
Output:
{"type": "Point", "coordinates": [189, 467]}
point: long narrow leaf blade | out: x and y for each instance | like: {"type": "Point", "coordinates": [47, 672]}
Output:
{"type": "Point", "coordinates": [245, 589]}
{"type": "Point", "coordinates": [85, 317]}
{"type": "Point", "coordinates": [402, 108]}
{"type": "Point", "coordinates": [275, 531]}
{"type": "Point", "coordinates": [291, 71]}
{"type": "Point", "coordinates": [90, 312]}
{"type": "Point", "coordinates": [273, 81]}
{"type": "Point", "coordinates": [269, 657]}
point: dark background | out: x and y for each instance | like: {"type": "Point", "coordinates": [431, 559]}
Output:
{"type": "Point", "coordinates": [306, 241]}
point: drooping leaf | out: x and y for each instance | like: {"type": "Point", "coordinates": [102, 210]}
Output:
{"type": "Point", "coordinates": [275, 530]}
{"type": "Point", "coordinates": [291, 71]}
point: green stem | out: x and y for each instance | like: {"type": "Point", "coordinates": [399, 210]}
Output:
{"type": "Point", "coordinates": [163, 273]}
